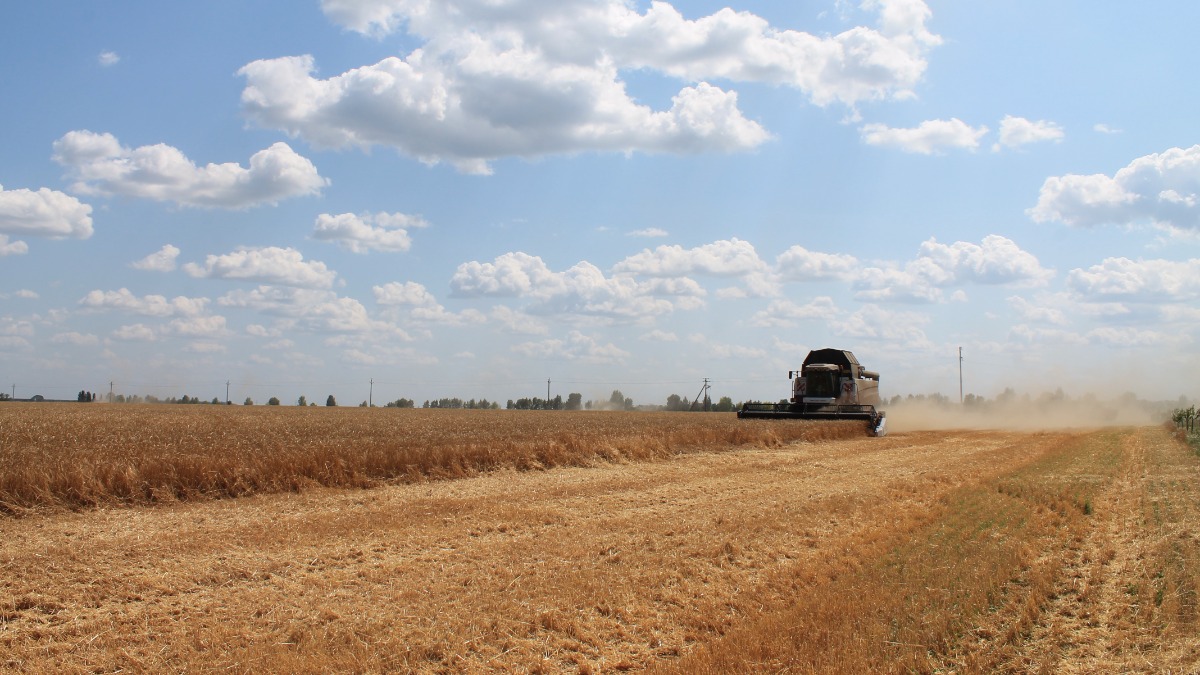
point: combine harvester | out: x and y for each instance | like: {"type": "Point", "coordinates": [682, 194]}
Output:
{"type": "Point", "coordinates": [830, 385]}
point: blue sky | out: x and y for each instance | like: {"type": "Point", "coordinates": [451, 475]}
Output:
{"type": "Point", "coordinates": [470, 197]}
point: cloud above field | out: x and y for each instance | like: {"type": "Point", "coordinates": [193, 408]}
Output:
{"type": "Point", "coordinates": [1016, 132]}
{"type": "Point", "coordinates": [1138, 280]}
{"type": "Point", "coordinates": [40, 213]}
{"type": "Point", "coordinates": [997, 260]}
{"type": "Point", "coordinates": [531, 78]}
{"type": "Point", "coordinates": [311, 310]}
{"type": "Point", "coordinates": [785, 313]}
{"type": "Point", "coordinates": [728, 258]}
{"type": "Point", "coordinates": [385, 232]}
{"type": "Point", "coordinates": [583, 290]}
{"type": "Point", "coordinates": [422, 306]}
{"type": "Point", "coordinates": [928, 138]}
{"type": "Point", "coordinates": [100, 165]}
{"type": "Point", "coordinates": [162, 260]}
{"type": "Point", "coordinates": [147, 305]}
{"type": "Point", "coordinates": [268, 265]}
{"type": "Point", "coordinates": [800, 264]}
{"type": "Point", "coordinates": [1159, 189]}
{"type": "Point", "coordinates": [575, 347]}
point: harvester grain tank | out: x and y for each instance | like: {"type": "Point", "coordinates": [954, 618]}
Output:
{"type": "Point", "coordinates": [830, 385]}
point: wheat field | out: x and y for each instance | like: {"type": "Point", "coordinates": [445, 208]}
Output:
{"type": "Point", "coordinates": [926, 551]}
{"type": "Point", "coordinates": [70, 455]}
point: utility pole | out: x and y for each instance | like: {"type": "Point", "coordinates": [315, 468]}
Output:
{"type": "Point", "coordinates": [704, 393]}
{"type": "Point", "coordinates": [371, 395]}
{"type": "Point", "coordinates": [226, 392]}
{"type": "Point", "coordinates": [547, 390]}
{"type": "Point", "coordinates": [960, 388]}
{"type": "Point", "coordinates": [110, 391]}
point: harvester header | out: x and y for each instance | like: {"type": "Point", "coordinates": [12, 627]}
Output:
{"type": "Point", "coordinates": [830, 385]}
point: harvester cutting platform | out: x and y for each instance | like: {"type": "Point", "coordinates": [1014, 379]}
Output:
{"type": "Point", "coordinates": [830, 385]}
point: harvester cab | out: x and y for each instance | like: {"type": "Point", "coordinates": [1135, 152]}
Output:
{"type": "Point", "coordinates": [830, 385]}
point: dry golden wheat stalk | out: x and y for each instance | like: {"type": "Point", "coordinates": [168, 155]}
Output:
{"type": "Point", "coordinates": [83, 455]}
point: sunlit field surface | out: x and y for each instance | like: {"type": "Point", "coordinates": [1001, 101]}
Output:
{"type": "Point", "coordinates": [208, 538]}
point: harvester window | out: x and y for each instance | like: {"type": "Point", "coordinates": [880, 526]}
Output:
{"type": "Point", "coordinates": [822, 384]}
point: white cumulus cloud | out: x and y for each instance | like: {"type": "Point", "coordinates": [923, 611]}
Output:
{"type": "Point", "coordinates": [530, 78]}
{"type": "Point", "coordinates": [387, 232]}
{"type": "Point", "coordinates": [800, 264]}
{"type": "Point", "coordinates": [927, 138]}
{"type": "Point", "coordinates": [581, 291]}
{"type": "Point", "coordinates": [1138, 280]}
{"type": "Point", "coordinates": [733, 257]}
{"type": "Point", "coordinates": [100, 165]}
{"type": "Point", "coordinates": [138, 332]}
{"type": "Point", "coordinates": [312, 310]}
{"type": "Point", "coordinates": [422, 305]}
{"type": "Point", "coordinates": [41, 213]}
{"type": "Point", "coordinates": [507, 104]}
{"type": "Point", "coordinates": [269, 265]}
{"type": "Point", "coordinates": [997, 260]}
{"type": "Point", "coordinates": [1159, 189]}
{"type": "Point", "coordinates": [872, 322]}
{"type": "Point", "coordinates": [1040, 311]}
{"type": "Point", "coordinates": [8, 247]}
{"type": "Point", "coordinates": [1018, 131]}
{"type": "Point", "coordinates": [148, 305]}
{"type": "Point", "coordinates": [649, 233]}
{"type": "Point", "coordinates": [74, 338]}
{"type": "Point", "coordinates": [785, 313]}
{"type": "Point", "coordinates": [162, 260]}
{"type": "Point", "coordinates": [576, 347]}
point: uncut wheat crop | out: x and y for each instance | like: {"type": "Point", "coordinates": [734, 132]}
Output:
{"type": "Point", "coordinates": [77, 456]}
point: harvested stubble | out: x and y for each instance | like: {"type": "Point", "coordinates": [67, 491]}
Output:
{"type": "Point", "coordinates": [960, 551]}
{"type": "Point", "coordinates": [66, 455]}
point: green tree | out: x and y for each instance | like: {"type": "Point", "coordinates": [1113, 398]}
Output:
{"type": "Point", "coordinates": [574, 401]}
{"type": "Point", "coordinates": [617, 400]}
{"type": "Point", "coordinates": [330, 402]}
{"type": "Point", "coordinates": [273, 401]}
{"type": "Point", "coordinates": [302, 401]}
{"type": "Point", "coordinates": [724, 404]}
{"type": "Point", "coordinates": [248, 401]}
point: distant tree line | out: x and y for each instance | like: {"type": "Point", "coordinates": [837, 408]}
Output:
{"type": "Point", "coordinates": [677, 403]}
{"type": "Point", "coordinates": [149, 398]}
{"type": "Point", "coordinates": [458, 403]}
{"type": "Point", "coordinates": [574, 401]}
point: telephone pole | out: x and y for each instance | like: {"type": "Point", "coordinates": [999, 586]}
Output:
{"type": "Point", "coordinates": [547, 390]}
{"type": "Point", "coordinates": [704, 393]}
{"type": "Point", "coordinates": [371, 395]}
{"type": "Point", "coordinates": [226, 392]}
{"type": "Point", "coordinates": [960, 388]}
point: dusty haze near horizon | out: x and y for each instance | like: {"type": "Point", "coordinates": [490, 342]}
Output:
{"type": "Point", "coordinates": [1019, 415]}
